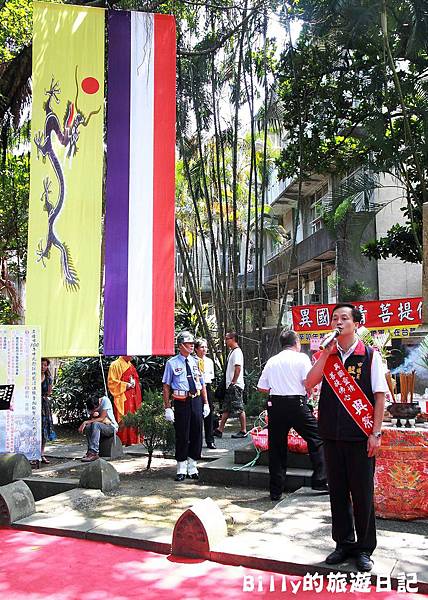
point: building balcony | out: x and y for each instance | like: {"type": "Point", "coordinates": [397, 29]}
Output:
{"type": "Point", "coordinates": [318, 247]}
{"type": "Point", "coordinates": [205, 284]}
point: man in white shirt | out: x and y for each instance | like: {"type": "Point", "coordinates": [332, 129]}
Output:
{"type": "Point", "coordinates": [101, 423]}
{"type": "Point", "coordinates": [284, 378]}
{"type": "Point", "coordinates": [351, 430]}
{"type": "Point", "coordinates": [206, 367]}
{"type": "Point", "coordinates": [233, 402]}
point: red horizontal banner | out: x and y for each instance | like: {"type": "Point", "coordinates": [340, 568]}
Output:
{"type": "Point", "coordinates": [377, 314]}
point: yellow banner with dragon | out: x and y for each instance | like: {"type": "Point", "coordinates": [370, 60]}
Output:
{"type": "Point", "coordinates": [64, 237]}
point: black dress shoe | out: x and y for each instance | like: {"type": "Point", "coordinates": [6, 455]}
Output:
{"type": "Point", "coordinates": [275, 497]}
{"type": "Point", "coordinates": [211, 446]}
{"type": "Point", "coordinates": [218, 433]}
{"type": "Point", "coordinates": [193, 476]}
{"type": "Point", "coordinates": [364, 562]}
{"type": "Point", "coordinates": [320, 486]}
{"type": "Point", "coordinates": [337, 556]}
{"type": "Point", "coordinates": [180, 477]}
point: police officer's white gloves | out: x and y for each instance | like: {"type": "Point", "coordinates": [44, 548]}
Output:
{"type": "Point", "coordinates": [206, 410]}
{"type": "Point", "coordinates": [169, 415]}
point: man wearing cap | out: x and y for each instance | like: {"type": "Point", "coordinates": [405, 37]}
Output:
{"type": "Point", "coordinates": [183, 381]}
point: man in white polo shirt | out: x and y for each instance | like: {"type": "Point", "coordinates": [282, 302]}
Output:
{"type": "Point", "coordinates": [283, 378]}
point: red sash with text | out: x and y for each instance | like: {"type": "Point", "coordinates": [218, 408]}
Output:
{"type": "Point", "coordinates": [349, 393]}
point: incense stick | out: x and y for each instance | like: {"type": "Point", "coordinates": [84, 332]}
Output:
{"type": "Point", "coordinates": [391, 385]}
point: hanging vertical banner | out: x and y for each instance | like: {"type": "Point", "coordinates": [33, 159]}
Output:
{"type": "Point", "coordinates": [20, 390]}
{"type": "Point", "coordinates": [64, 233]}
{"type": "Point", "coordinates": [139, 239]}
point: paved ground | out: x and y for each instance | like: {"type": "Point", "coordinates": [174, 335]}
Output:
{"type": "Point", "coordinates": [292, 536]}
{"type": "Point", "coordinates": [152, 496]}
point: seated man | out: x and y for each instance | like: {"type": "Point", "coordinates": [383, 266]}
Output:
{"type": "Point", "coordinates": [100, 423]}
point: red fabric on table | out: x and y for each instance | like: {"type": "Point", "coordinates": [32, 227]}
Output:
{"type": "Point", "coordinates": [401, 477]}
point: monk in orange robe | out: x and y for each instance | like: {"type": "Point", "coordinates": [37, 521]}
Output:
{"type": "Point", "coordinates": [124, 385]}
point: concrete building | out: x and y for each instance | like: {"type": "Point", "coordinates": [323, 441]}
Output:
{"type": "Point", "coordinates": [328, 260]}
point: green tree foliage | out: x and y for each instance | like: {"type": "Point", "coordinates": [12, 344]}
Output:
{"type": "Point", "coordinates": [358, 290]}
{"type": "Point", "coordinates": [187, 318]}
{"type": "Point", "coordinates": [14, 190]}
{"type": "Point", "coordinates": [15, 28]}
{"type": "Point", "coordinates": [356, 81]}
{"type": "Point", "coordinates": [150, 421]}
{"type": "Point", "coordinates": [15, 35]}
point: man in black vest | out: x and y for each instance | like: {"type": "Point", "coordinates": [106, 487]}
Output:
{"type": "Point", "coordinates": [349, 451]}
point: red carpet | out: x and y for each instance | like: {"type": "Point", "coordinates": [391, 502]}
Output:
{"type": "Point", "coordinates": [36, 566]}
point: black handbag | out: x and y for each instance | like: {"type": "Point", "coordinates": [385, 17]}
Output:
{"type": "Point", "coordinates": [220, 390]}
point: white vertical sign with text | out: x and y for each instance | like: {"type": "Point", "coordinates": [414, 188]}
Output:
{"type": "Point", "coordinates": [20, 425]}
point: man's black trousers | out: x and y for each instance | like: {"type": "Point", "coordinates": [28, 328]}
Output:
{"type": "Point", "coordinates": [350, 475]}
{"type": "Point", "coordinates": [209, 421]}
{"type": "Point", "coordinates": [188, 428]}
{"type": "Point", "coordinates": [285, 412]}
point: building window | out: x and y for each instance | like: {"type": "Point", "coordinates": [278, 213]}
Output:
{"type": "Point", "coordinates": [317, 207]}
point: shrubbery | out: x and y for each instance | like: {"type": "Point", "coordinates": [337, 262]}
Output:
{"type": "Point", "coordinates": [255, 402]}
{"type": "Point", "coordinates": [150, 421]}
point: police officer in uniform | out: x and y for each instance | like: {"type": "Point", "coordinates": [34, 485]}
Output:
{"type": "Point", "coordinates": [284, 379]}
{"type": "Point", "coordinates": [183, 381]}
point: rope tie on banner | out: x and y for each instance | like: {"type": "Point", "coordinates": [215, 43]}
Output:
{"type": "Point", "coordinates": [104, 377]}
{"type": "Point", "coordinates": [259, 424]}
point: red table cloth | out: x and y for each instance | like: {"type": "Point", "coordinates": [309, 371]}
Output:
{"type": "Point", "coordinates": [401, 478]}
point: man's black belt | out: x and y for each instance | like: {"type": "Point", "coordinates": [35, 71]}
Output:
{"type": "Point", "coordinates": [289, 397]}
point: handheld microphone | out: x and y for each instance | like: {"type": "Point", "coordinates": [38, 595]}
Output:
{"type": "Point", "coordinates": [329, 338]}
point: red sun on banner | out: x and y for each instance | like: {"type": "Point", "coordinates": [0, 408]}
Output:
{"type": "Point", "coordinates": [90, 85]}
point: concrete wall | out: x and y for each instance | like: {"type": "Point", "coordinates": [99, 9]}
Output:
{"type": "Point", "coordinates": [397, 279]}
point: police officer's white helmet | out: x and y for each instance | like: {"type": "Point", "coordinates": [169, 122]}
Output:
{"type": "Point", "coordinates": [185, 337]}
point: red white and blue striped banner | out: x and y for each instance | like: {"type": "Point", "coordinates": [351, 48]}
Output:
{"type": "Point", "coordinates": [139, 250]}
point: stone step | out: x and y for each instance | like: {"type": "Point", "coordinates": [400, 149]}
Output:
{"type": "Point", "coordinates": [50, 486]}
{"type": "Point", "coordinates": [224, 471]}
{"type": "Point", "coordinates": [294, 460]}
